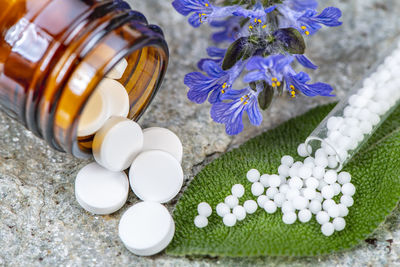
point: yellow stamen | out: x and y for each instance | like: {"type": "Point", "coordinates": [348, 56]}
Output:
{"type": "Point", "coordinates": [278, 83]}
{"type": "Point", "coordinates": [307, 33]}
{"type": "Point", "coordinates": [255, 20]}
{"type": "Point", "coordinates": [264, 26]}
{"type": "Point", "coordinates": [223, 91]}
{"type": "Point", "coordinates": [259, 21]}
{"type": "Point", "coordinates": [273, 84]}
{"type": "Point", "coordinates": [292, 87]}
{"type": "Point", "coordinates": [224, 85]}
{"type": "Point", "coordinates": [206, 5]}
{"type": "Point", "coordinates": [250, 27]}
{"type": "Point", "coordinates": [274, 79]}
{"type": "Point", "coordinates": [303, 27]}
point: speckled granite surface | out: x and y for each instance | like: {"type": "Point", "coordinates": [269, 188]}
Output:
{"type": "Point", "coordinates": [41, 224]}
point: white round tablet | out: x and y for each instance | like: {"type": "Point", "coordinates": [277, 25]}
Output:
{"type": "Point", "coordinates": [117, 97]}
{"type": "Point", "coordinates": [163, 139]}
{"type": "Point", "coordinates": [99, 190]}
{"type": "Point", "coordinates": [146, 228]}
{"type": "Point", "coordinates": [117, 143]}
{"type": "Point", "coordinates": [156, 176]}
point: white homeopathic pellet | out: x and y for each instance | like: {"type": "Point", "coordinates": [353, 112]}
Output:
{"type": "Point", "coordinates": [322, 217]}
{"type": "Point", "coordinates": [229, 220]}
{"type": "Point", "coordinates": [261, 200]}
{"type": "Point", "coordinates": [264, 180]}
{"type": "Point", "coordinates": [250, 206]}
{"type": "Point", "coordinates": [289, 218]}
{"type": "Point", "coordinates": [146, 228]}
{"type": "Point", "coordinates": [334, 211]}
{"type": "Point", "coordinates": [204, 209]}
{"type": "Point", "coordinates": [327, 229]}
{"type": "Point", "coordinates": [99, 190]}
{"type": "Point", "coordinates": [287, 160]}
{"type": "Point", "coordinates": [287, 206]}
{"type": "Point", "coordinates": [231, 201]}
{"type": "Point", "coordinates": [271, 192]}
{"type": "Point", "coordinates": [304, 215]}
{"type": "Point", "coordinates": [327, 192]}
{"type": "Point", "coordinates": [315, 206]}
{"type": "Point", "coordinates": [305, 172]}
{"type": "Point", "coordinates": [300, 203]}
{"type": "Point", "coordinates": [200, 221]}
{"type": "Point", "coordinates": [253, 175]}
{"type": "Point", "coordinates": [274, 180]}
{"type": "Point", "coordinates": [238, 190]}
{"type": "Point", "coordinates": [239, 212]}
{"type": "Point", "coordinates": [339, 224]}
{"type": "Point", "coordinates": [156, 175]}
{"type": "Point", "coordinates": [257, 189]}
{"type": "Point", "coordinates": [222, 209]}
{"type": "Point", "coordinates": [347, 200]}
{"type": "Point", "coordinates": [163, 139]}
{"type": "Point", "coordinates": [117, 143]}
{"type": "Point", "coordinates": [348, 189]}
{"type": "Point", "coordinates": [270, 207]}
{"type": "Point", "coordinates": [303, 151]}
{"type": "Point", "coordinates": [330, 176]}
{"type": "Point", "coordinates": [344, 177]}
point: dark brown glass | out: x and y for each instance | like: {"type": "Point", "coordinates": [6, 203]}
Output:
{"type": "Point", "coordinates": [53, 54]}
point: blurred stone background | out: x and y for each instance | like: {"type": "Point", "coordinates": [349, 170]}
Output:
{"type": "Point", "coordinates": [42, 224]}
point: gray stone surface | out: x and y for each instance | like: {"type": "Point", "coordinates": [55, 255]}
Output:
{"type": "Point", "coordinates": [42, 224]}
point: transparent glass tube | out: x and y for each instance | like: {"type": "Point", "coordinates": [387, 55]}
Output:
{"type": "Point", "coordinates": [356, 117]}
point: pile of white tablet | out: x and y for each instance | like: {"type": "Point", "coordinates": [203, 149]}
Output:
{"type": "Point", "coordinates": [153, 157]}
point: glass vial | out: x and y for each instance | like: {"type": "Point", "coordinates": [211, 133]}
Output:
{"type": "Point", "coordinates": [355, 118]}
{"type": "Point", "coordinates": [54, 53]}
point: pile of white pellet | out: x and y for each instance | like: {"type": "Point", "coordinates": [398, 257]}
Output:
{"type": "Point", "coordinates": [300, 190]}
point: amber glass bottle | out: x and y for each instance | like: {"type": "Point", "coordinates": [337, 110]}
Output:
{"type": "Point", "coordinates": [53, 53]}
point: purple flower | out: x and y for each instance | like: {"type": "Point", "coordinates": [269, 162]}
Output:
{"type": "Point", "coordinates": [215, 83]}
{"type": "Point", "coordinates": [203, 11]}
{"type": "Point", "coordinates": [269, 69]}
{"type": "Point", "coordinates": [305, 62]}
{"type": "Point", "coordinates": [231, 113]}
{"type": "Point", "coordinates": [217, 55]}
{"type": "Point", "coordinates": [311, 21]}
{"type": "Point", "coordinates": [301, 5]}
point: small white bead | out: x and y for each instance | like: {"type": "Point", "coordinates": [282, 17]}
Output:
{"type": "Point", "coordinates": [204, 209]}
{"type": "Point", "coordinates": [332, 162]}
{"type": "Point", "coordinates": [300, 203]}
{"type": "Point", "coordinates": [322, 217]}
{"type": "Point", "coordinates": [222, 209]}
{"type": "Point", "coordinates": [318, 172]}
{"type": "Point", "coordinates": [238, 190]}
{"type": "Point", "coordinates": [296, 183]}
{"type": "Point", "coordinates": [375, 119]}
{"type": "Point", "coordinates": [344, 177]}
{"type": "Point", "coordinates": [344, 211]}
{"type": "Point", "coordinates": [250, 206]}
{"type": "Point", "coordinates": [305, 172]}
{"type": "Point", "coordinates": [230, 220]}
{"type": "Point", "coordinates": [352, 121]}
{"type": "Point", "coordinates": [200, 221]}
{"type": "Point", "coordinates": [315, 206]}
{"type": "Point", "coordinates": [328, 149]}
{"type": "Point", "coordinates": [271, 192]}
{"type": "Point", "coordinates": [334, 123]}
{"type": "Point", "coordinates": [330, 177]}
{"type": "Point", "coordinates": [264, 180]}
{"type": "Point", "coordinates": [309, 160]}
{"type": "Point", "coordinates": [348, 189]}
{"type": "Point", "coordinates": [327, 192]}
{"type": "Point", "coordinates": [343, 155]}
{"type": "Point", "coordinates": [321, 161]}
{"type": "Point", "coordinates": [348, 111]}
{"type": "Point", "coordinates": [347, 201]}
{"type": "Point", "coordinates": [231, 201]}
{"type": "Point", "coordinates": [305, 215]}
{"type": "Point", "coordinates": [352, 100]}
{"type": "Point", "coordinates": [339, 224]}
{"type": "Point", "coordinates": [289, 218]}
{"type": "Point", "coordinates": [312, 183]}
{"type": "Point", "coordinates": [283, 170]}
{"type": "Point", "coordinates": [287, 160]}
{"type": "Point", "coordinates": [334, 211]}
{"type": "Point", "coordinates": [287, 206]}
{"type": "Point", "coordinates": [283, 188]}
{"type": "Point", "coordinates": [261, 200]}
{"type": "Point", "coordinates": [309, 193]}
{"type": "Point", "coordinates": [328, 204]}
{"type": "Point", "coordinates": [302, 150]}
{"type": "Point", "coordinates": [257, 189]}
{"type": "Point", "coordinates": [344, 142]}
{"type": "Point", "coordinates": [294, 171]}
{"type": "Point", "coordinates": [292, 193]}
{"type": "Point", "coordinates": [253, 175]}
{"type": "Point", "coordinates": [270, 207]}
{"type": "Point", "coordinates": [336, 188]}
{"type": "Point", "coordinates": [279, 199]}
{"type": "Point", "coordinates": [239, 212]}
{"type": "Point", "coordinates": [274, 181]}
{"type": "Point", "coordinates": [327, 229]}
{"type": "Point", "coordinates": [334, 136]}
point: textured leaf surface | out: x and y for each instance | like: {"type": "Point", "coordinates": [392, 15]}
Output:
{"type": "Point", "coordinates": [375, 171]}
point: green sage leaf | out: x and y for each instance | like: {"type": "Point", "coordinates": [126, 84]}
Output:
{"type": "Point", "coordinates": [375, 173]}
{"type": "Point", "coordinates": [291, 40]}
